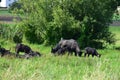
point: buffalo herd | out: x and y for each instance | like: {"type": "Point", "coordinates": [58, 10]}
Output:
{"type": "Point", "coordinates": [69, 46]}
{"type": "Point", "coordinates": [28, 52]}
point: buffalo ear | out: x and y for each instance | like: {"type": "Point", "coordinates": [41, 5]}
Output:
{"type": "Point", "coordinates": [99, 55]}
{"type": "Point", "coordinates": [61, 39]}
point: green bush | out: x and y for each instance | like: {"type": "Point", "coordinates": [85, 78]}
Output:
{"type": "Point", "coordinates": [17, 38]}
{"type": "Point", "coordinates": [13, 33]}
{"type": "Point", "coordinates": [31, 34]}
{"type": "Point", "coordinates": [86, 21]}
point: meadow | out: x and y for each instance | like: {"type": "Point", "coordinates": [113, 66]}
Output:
{"type": "Point", "coordinates": [5, 12]}
{"type": "Point", "coordinates": [50, 67]}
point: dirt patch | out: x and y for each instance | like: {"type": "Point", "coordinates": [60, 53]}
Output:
{"type": "Point", "coordinates": [9, 18]}
{"type": "Point", "coordinates": [115, 23]}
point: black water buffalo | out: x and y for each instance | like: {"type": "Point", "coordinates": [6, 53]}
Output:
{"type": "Point", "coordinates": [91, 51]}
{"type": "Point", "coordinates": [30, 55]}
{"type": "Point", "coordinates": [22, 48]}
{"type": "Point", "coordinates": [62, 51]}
{"type": "Point", "coordinates": [58, 50]}
{"type": "Point", "coordinates": [55, 49]}
{"type": "Point", "coordinates": [3, 51]}
{"type": "Point", "coordinates": [70, 45]}
{"type": "Point", "coordinates": [34, 53]}
{"type": "Point", "coordinates": [67, 45]}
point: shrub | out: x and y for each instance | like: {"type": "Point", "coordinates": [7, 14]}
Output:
{"type": "Point", "coordinates": [31, 34]}
{"type": "Point", "coordinates": [13, 33]}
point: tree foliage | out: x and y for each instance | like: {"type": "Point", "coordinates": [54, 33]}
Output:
{"type": "Point", "coordinates": [84, 20]}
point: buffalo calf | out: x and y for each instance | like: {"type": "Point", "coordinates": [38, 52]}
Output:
{"type": "Point", "coordinates": [22, 48]}
{"type": "Point", "coordinates": [91, 51]}
{"type": "Point", "coordinates": [30, 55]}
{"type": "Point", "coordinates": [3, 51]}
{"type": "Point", "coordinates": [34, 53]}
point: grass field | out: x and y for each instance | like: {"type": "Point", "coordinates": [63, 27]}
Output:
{"type": "Point", "coordinates": [49, 67]}
{"type": "Point", "coordinates": [5, 12]}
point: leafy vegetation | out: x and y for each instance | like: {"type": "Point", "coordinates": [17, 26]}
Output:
{"type": "Point", "coordinates": [12, 33]}
{"type": "Point", "coordinates": [86, 21]}
{"type": "Point", "coordinates": [116, 16]}
{"type": "Point", "coordinates": [5, 12]}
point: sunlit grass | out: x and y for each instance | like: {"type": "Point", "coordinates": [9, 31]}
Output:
{"type": "Point", "coordinates": [61, 67]}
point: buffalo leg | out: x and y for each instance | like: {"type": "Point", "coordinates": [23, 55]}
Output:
{"type": "Point", "coordinates": [85, 54]}
{"type": "Point", "coordinates": [88, 55]}
{"type": "Point", "coordinates": [92, 55]}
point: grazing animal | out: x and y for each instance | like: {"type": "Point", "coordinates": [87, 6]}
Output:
{"type": "Point", "coordinates": [61, 51]}
{"type": "Point", "coordinates": [71, 45]}
{"type": "Point", "coordinates": [22, 48]}
{"type": "Point", "coordinates": [67, 45]}
{"type": "Point", "coordinates": [91, 51]}
{"type": "Point", "coordinates": [30, 55]}
{"type": "Point", "coordinates": [34, 53]}
{"type": "Point", "coordinates": [58, 50]}
{"type": "Point", "coordinates": [3, 51]}
{"type": "Point", "coordinates": [55, 49]}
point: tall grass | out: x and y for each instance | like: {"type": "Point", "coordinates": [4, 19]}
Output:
{"type": "Point", "coordinates": [61, 67]}
{"type": "Point", "coordinates": [49, 67]}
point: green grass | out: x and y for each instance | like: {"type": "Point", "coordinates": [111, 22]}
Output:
{"type": "Point", "coordinates": [5, 13]}
{"type": "Point", "coordinates": [66, 67]}
{"type": "Point", "coordinates": [49, 67]}
{"type": "Point", "coordinates": [116, 31]}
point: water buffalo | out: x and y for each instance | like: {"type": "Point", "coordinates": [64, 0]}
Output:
{"type": "Point", "coordinates": [58, 50]}
{"type": "Point", "coordinates": [91, 51]}
{"type": "Point", "coordinates": [55, 49]}
{"type": "Point", "coordinates": [22, 48]}
{"type": "Point", "coordinates": [3, 51]}
{"type": "Point", "coordinates": [70, 45]}
{"type": "Point", "coordinates": [34, 53]}
{"type": "Point", "coordinates": [30, 55]}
